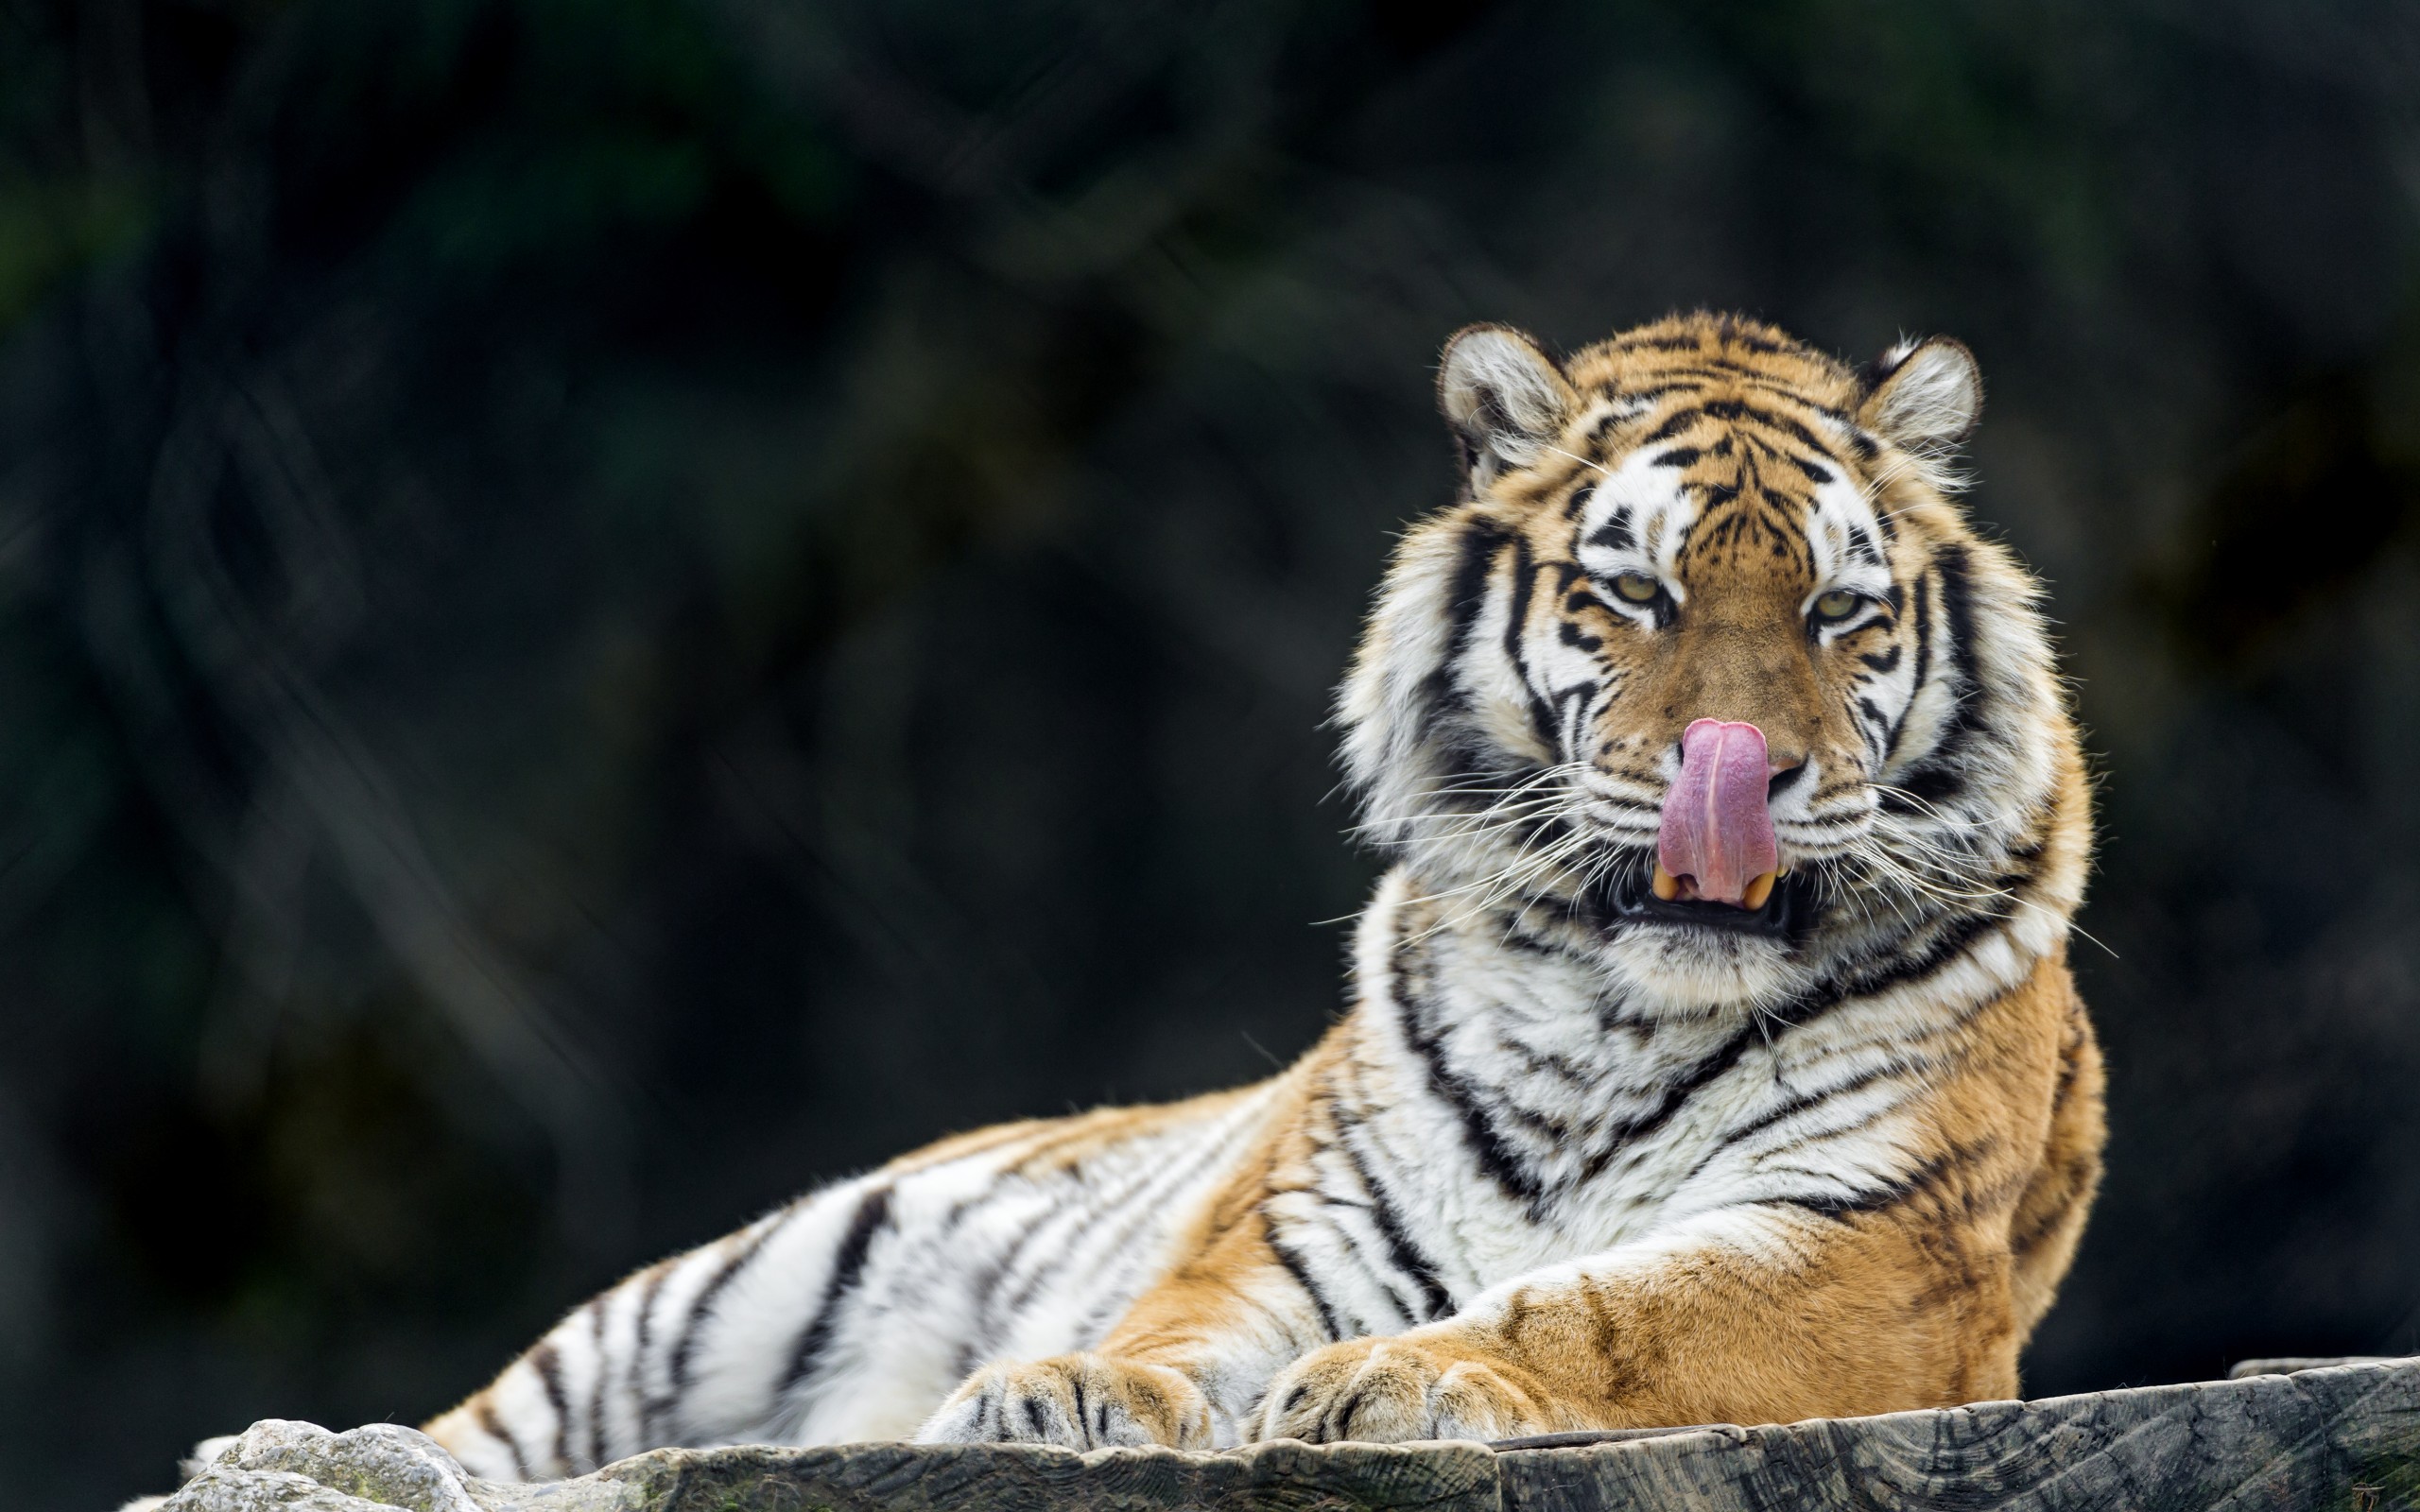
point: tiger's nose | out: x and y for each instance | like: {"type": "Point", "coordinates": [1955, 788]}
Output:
{"type": "Point", "coordinates": [1784, 770]}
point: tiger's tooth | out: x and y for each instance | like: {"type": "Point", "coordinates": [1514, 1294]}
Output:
{"type": "Point", "coordinates": [1666, 885]}
{"type": "Point", "coordinates": [1758, 890]}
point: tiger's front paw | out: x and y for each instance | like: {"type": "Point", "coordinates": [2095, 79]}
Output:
{"type": "Point", "coordinates": [1076, 1400]}
{"type": "Point", "coordinates": [1406, 1387]}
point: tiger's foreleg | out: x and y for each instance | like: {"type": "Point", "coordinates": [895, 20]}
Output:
{"type": "Point", "coordinates": [1754, 1314]}
{"type": "Point", "coordinates": [1185, 1368]}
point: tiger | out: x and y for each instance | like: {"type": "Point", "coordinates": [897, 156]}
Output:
{"type": "Point", "coordinates": [1711, 1052]}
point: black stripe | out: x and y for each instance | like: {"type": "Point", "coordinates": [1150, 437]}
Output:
{"type": "Point", "coordinates": [549, 1367]}
{"type": "Point", "coordinates": [1434, 1299]}
{"type": "Point", "coordinates": [1790, 1107]}
{"type": "Point", "coordinates": [1572, 702]}
{"type": "Point", "coordinates": [1516, 616]}
{"type": "Point", "coordinates": [1482, 542]}
{"type": "Point", "coordinates": [1738, 336]}
{"type": "Point", "coordinates": [596, 1393]}
{"type": "Point", "coordinates": [1958, 608]}
{"type": "Point", "coordinates": [493, 1424]}
{"type": "Point", "coordinates": [1935, 777]}
{"type": "Point", "coordinates": [1890, 1194]}
{"type": "Point", "coordinates": [701, 1308]}
{"type": "Point", "coordinates": [1731, 375]}
{"type": "Point", "coordinates": [1674, 423]}
{"type": "Point", "coordinates": [1950, 944]}
{"type": "Point", "coordinates": [848, 1268]}
{"type": "Point", "coordinates": [1927, 1174]}
{"type": "Point", "coordinates": [1667, 383]}
{"type": "Point", "coordinates": [1495, 1156]}
{"type": "Point", "coordinates": [1402, 1253]}
{"type": "Point", "coordinates": [646, 1403]}
{"type": "Point", "coordinates": [1741, 409]}
{"type": "Point", "coordinates": [1615, 533]}
{"type": "Point", "coordinates": [1302, 1274]}
{"type": "Point", "coordinates": [1483, 539]}
{"type": "Point", "coordinates": [1924, 661]}
{"type": "Point", "coordinates": [1546, 1062]}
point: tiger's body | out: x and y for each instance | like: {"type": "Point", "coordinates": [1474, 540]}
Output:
{"type": "Point", "coordinates": [1604, 1140]}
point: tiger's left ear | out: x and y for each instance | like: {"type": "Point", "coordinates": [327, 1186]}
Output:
{"type": "Point", "coordinates": [1925, 396]}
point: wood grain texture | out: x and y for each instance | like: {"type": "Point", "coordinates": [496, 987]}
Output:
{"type": "Point", "coordinates": [2341, 1437]}
{"type": "Point", "coordinates": [1284, 1477]}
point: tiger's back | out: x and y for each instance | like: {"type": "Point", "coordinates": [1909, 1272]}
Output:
{"type": "Point", "coordinates": [850, 1313]}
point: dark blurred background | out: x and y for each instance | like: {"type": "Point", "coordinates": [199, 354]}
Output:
{"type": "Point", "coordinates": [610, 609]}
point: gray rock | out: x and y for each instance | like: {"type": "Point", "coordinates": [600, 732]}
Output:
{"type": "Point", "coordinates": [305, 1467]}
{"type": "Point", "coordinates": [2341, 1437]}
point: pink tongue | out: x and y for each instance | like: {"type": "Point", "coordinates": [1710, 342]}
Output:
{"type": "Point", "coordinates": [1716, 831]}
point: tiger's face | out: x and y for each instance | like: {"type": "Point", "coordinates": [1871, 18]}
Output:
{"type": "Point", "coordinates": [1700, 676]}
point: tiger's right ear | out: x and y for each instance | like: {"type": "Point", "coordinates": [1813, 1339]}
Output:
{"type": "Point", "coordinates": [1924, 396]}
{"type": "Point", "coordinates": [1505, 398]}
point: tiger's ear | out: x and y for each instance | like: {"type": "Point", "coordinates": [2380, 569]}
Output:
{"type": "Point", "coordinates": [1924, 396]}
{"type": "Point", "coordinates": [1505, 398]}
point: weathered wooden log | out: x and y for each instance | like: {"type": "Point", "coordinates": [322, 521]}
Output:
{"type": "Point", "coordinates": [2341, 1437]}
{"type": "Point", "coordinates": [2287, 1364]}
{"type": "Point", "coordinates": [2345, 1438]}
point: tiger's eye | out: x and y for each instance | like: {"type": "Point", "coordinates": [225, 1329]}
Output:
{"type": "Point", "coordinates": [1836, 604]}
{"type": "Point", "coordinates": [1637, 588]}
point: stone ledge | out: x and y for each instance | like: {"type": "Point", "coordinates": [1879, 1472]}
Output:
{"type": "Point", "coordinates": [2336, 1436]}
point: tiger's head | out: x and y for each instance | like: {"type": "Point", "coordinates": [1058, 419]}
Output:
{"type": "Point", "coordinates": [1705, 677]}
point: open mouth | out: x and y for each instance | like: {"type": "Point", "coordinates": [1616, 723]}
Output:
{"type": "Point", "coordinates": [1787, 912]}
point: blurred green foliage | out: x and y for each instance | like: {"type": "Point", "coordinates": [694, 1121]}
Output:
{"type": "Point", "coordinates": [608, 609]}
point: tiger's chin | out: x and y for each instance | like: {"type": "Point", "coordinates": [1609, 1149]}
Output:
{"type": "Point", "coordinates": [1672, 958]}
{"type": "Point", "coordinates": [1669, 970]}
